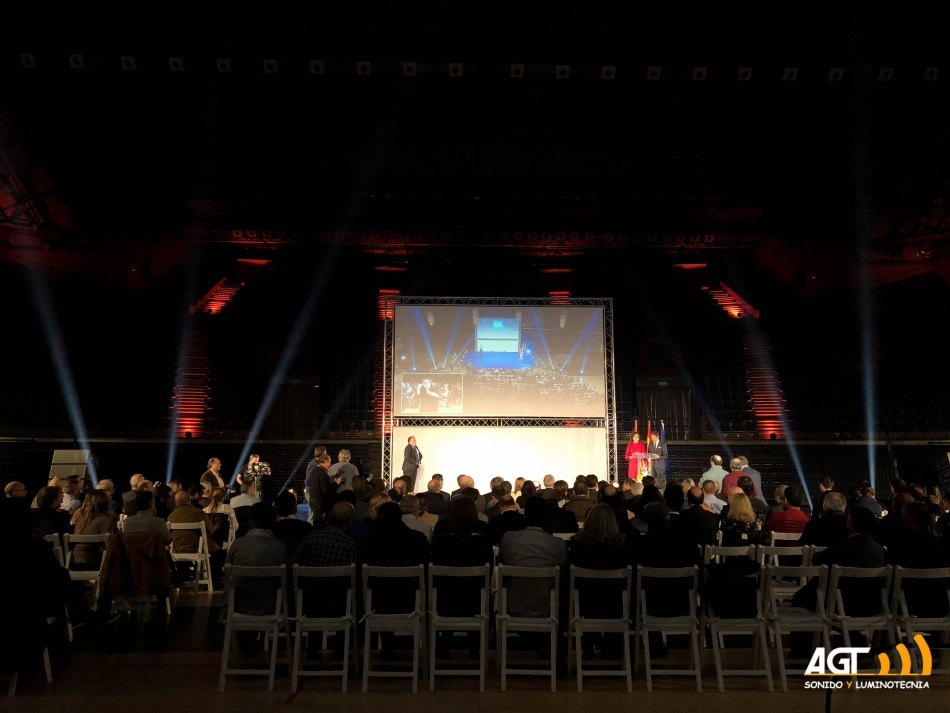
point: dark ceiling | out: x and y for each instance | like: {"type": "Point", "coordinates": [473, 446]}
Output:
{"type": "Point", "coordinates": [397, 129]}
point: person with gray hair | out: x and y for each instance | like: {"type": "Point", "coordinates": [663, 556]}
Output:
{"type": "Point", "coordinates": [108, 487]}
{"type": "Point", "coordinates": [14, 489]}
{"type": "Point", "coordinates": [716, 472]}
{"type": "Point", "coordinates": [346, 470]}
{"type": "Point", "coordinates": [831, 526]}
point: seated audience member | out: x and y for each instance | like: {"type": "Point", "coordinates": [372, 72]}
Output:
{"type": "Point", "coordinates": [94, 517]}
{"type": "Point", "coordinates": [375, 503]}
{"type": "Point", "coordinates": [486, 501]}
{"type": "Point", "coordinates": [916, 545]}
{"type": "Point", "coordinates": [437, 503]}
{"type": "Point", "coordinates": [35, 589]}
{"type": "Point", "coordinates": [164, 501]}
{"type": "Point", "coordinates": [528, 490]}
{"type": "Point", "coordinates": [759, 506]}
{"type": "Point", "coordinates": [258, 548]}
{"type": "Point", "coordinates": [581, 502]}
{"type": "Point", "coordinates": [72, 497]}
{"type": "Point", "coordinates": [48, 518]}
{"type": "Point", "coordinates": [675, 500]}
{"type": "Point", "coordinates": [779, 502]}
{"type": "Point", "coordinates": [826, 484]}
{"type": "Point", "coordinates": [427, 517]}
{"type": "Point", "coordinates": [221, 515]}
{"type": "Point", "coordinates": [531, 547]}
{"type": "Point", "coordinates": [248, 496]}
{"type": "Point", "coordinates": [411, 512]}
{"type": "Point", "coordinates": [509, 518]}
{"type": "Point", "coordinates": [330, 546]}
{"type": "Point", "coordinates": [288, 529]}
{"type": "Point", "coordinates": [697, 521]}
{"type": "Point", "coordinates": [600, 545]}
{"type": "Point", "coordinates": [464, 481]}
{"type": "Point", "coordinates": [519, 482]}
{"type": "Point", "coordinates": [548, 492]}
{"type": "Point", "coordinates": [198, 498]}
{"type": "Point", "coordinates": [791, 518]}
{"type": "Point", "coordinates": [491, 502]}
{"type": "Point", "coordinates": [136, 483]}
{"type": "Point", "coordinates": [399, 490]}
{"type": "Point", "coordinates": [186, 541]}
{"type": "Point", "coordinates": [462, 542]}
{"type": "Point", "coordinates": [108, 487]}
{"type": "Point", "coordinates": [889, 527]}
{"type": "Point", "coordinates": [714, 503]}
{"type": "Point", "coordinates": [662, 546]}
{"type": "Point", "coordinates": [739, 525]}
{"type": "Point", "coordinates": [363, 497]}
{"type": "Point", "coordinates": [359, 528]}
{"type": "Point", "coordinates": [562, 489]}
{"type": "Point", "coordinates": [831, 526]}
{"type": "Point", "coordinates": [144, 519]}
{"type": "Point", "coordinates": [864, 498]}
{"type": "Point", "coordinates": [14, 489]}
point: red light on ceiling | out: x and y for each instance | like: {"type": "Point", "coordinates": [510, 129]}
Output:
{"type": "Point", "coordinates": [691, 265]}
{"type": "Point", "coordinates": [556, 270]}
{"type": "Point", "coordinates": [390, 268]}
{"type": "Point", "coordinates": [254, 261]}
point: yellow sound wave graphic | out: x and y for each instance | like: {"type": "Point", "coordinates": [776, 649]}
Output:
{"type": "Point", "coordinates": [904, 655]}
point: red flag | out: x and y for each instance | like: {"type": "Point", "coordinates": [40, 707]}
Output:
{"type": "Point", "coordinates": [636, 426]}
{"type": "Point", "coordinates": [649, 430]}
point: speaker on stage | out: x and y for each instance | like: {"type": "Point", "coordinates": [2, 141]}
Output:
{"type": "Point", "coordinates": [67, 462]}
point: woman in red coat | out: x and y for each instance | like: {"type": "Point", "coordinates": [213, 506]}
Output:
{"type": "Point", "coordinates": [636, 452]}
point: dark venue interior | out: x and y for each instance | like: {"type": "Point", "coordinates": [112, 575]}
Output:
{"type": "Point", "coordinates": [203, 211]}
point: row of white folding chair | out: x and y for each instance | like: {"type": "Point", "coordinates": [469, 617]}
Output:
{"type": "Point", "coordinates": [200, 559]}
{"type": "Point", "coordinates": [912, 620]}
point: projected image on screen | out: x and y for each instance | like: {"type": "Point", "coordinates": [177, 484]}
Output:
{"type": "Point", "coordinates": [490, 360]}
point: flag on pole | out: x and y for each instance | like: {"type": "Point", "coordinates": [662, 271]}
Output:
{"type": "Point", "coordinates": [662, 431]}
{"type": "Point", "coordinates": [636, 427]}
{"type": "Point", "coordinates": [649, 430]}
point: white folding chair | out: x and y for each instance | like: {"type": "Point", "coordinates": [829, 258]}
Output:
{"type": "Point", "coordinates": [331, 592]}
{"type": "Point", "coordinates": [782, 617]}
{"type": "Point", "coordinates": [512, 620]}
{"type": "Point", "coordinates": [201, 559]}
{"type": "Point", "coordinates": [449, 619]}
{"type": "Point", "coordinates": [921, 606]}
{"type": "Point", "coordinates": [408, 621]}
{"type": "Point", "coordinates": [658, 588]}
{"type": "Point", "coordinates": [579, 624]}
{"type": "Point", "coordinates": [56, 542]}
{"type": "Point", "coordinates": [852, 587]}
{"type": "Point", "coordinates": [739, 612]}
{"type": "Point", "coordinates": [90, 577]}
{"type": "Point", "coordinates": [259, 584]}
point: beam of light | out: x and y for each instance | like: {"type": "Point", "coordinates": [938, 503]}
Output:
{"type": "Point", "coordinates": [317, 286]}
{"type": "Point", "coordinates": [43, 301]}
{"type": "Point", "coordinates": [424, 332]}
{"type": "Point", "coordinates": [536, 318]}
{"type": "Point", "coordinates": [584, 334]}
{"type": "Point", "coordinates": [186, 324]}
{"type": "Point", "coordinates": [455, 329]}
{"type": "Point", "coordinates": [342, 398]}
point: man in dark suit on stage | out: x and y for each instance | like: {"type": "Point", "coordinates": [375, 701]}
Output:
{"type": "Point", "coordinates": [411, 462]}
{"type": "Point", "coordinates": [657, 453]}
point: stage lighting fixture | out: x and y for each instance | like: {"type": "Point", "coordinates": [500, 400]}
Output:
{"type": "Point", "coordinates": [224, 65]}
{"type": "Point", "coordinates": [455, 69]}
{"type": "Point", "coordinates": [364, 68]}
{"type": "Point", "coordinates": [28, 61]}
{"type": "Point", "coordinates": [517, 71]}
{"type": "Point", "coordinates": [77, 61]}
{"type": "Point", "coordinates": [409, 69]}
{"type": "Point", "coordinates": [835, 74]}
{"type": "Point", "coordinates": [790, 74]}
{"type": "Point", "coordinates": [128, 63]}
{"type": "Point", "coordinates": [745, 74]}
{"type": "Point", "coordinates": [653, 74]}
{"type": "Point", "coordinates": [608, 72]}
{"type": "Point", "coordinates": [316, 66]}
{"type": "Point", "coordinates": [562, 71]}
{"type": "Point", "coordinates": [699, 74]}
{"type": "Point", "coordinates": [885, 74]}
{"type": "Point", "coordinates": [930, 74]}
{"type": "Point", "coordinates": [176, 64]}
{"type": "Point", "coordinates": [270, 66]}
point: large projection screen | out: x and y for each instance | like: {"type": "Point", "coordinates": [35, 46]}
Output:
{"type": "Point", "coordinates": [509, 452]}
{"type": "Point", "coordinates": [499, 361]}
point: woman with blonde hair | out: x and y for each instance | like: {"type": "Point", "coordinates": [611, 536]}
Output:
{"type": "Point", "coordinates": [686, 484]}
{"type": "Point", "coordinates": [516, 492]}
{"type": "Point", "coordinates": [376, 502]}
{"type": "Point", "coordinates": [739, 525]}
{"type": "Point", "coordinates": [94, 517]}
{"type": "Point", "coordinates": [221, 515]}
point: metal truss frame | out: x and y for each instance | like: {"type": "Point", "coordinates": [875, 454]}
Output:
{"type": "Point", "coordinates": [609, 422]}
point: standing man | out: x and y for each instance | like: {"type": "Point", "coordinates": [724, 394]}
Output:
{"type": "Point", "coordinates": [658, 455]}
{"type": "Point", "coordinates": [756, 478]}
{"type": "Point", "coordinates": [345, 469]}
{"type": "Point", "coordinates": [411, 463]}
{"type": "Point", "coordinates": [211, 478]}
{"type": "Point", "coordinates": [323, 485]}
{"type": "Point", "coordinates": [716, 472]}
